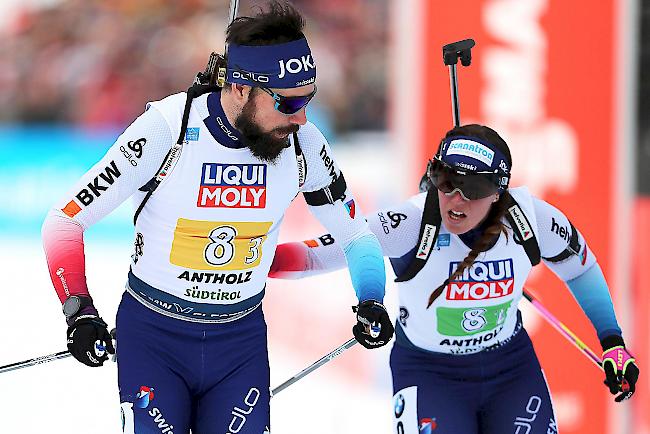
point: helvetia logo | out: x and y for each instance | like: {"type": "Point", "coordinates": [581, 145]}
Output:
{"type": "Point", "coordinates": [329, 162]}
{"type": "Point", "coordinates": [232, 186]}
{"type": "Point", "coordinates": [425, 243]}
{"type": "Point", "coordinates": [521, 222]}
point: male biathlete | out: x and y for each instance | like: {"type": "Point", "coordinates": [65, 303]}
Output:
{"type": "Point", "coordinates": [192, 342]}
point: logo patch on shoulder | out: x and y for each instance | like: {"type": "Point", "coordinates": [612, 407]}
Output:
{"type": "Point", "coordinates": [444, 240]}
{"type": "Point", "coordinates": [583, 256]}
{"type": "Point", "coordinates": [192, 134]}
{"type": "Point", "coordinates": [350, 207]}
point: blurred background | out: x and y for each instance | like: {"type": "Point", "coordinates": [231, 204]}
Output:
{"type": "Point", "coordinates": [565, 83]}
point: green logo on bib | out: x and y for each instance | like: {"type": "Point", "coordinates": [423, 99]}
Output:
{"type": "Point", "coordinates": [470, 321]}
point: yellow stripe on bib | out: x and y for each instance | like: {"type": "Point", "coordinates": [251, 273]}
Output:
{"type": "Point", "coordinates": [206, 245]}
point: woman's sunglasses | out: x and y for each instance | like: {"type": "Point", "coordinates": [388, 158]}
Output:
{"type": "Point", "coordinates": [289, 105]}
{"type": "Point", "coordinates": [472, 185]}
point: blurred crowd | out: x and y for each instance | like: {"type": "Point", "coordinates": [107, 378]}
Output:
{"type": "Point", "coordinates": [97, 62]}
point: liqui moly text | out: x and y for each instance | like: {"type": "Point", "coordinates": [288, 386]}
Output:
{"type": "Point", "coordinates": [484, 280]}
{"type": "Point", "coordinates": [232, 186]}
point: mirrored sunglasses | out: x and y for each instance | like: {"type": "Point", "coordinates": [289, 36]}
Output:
{"type": "Point", "coordinates": [289, 105]}
{"type": "Point", "coordinates": [472, 185]}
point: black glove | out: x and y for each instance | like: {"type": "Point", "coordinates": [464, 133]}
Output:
{"type": "Point", "coordinates": [621, 372]}
{"type": "Point", "coordinates": [374, 328]}
{"type": "Point", "coordinates": [89, 340]}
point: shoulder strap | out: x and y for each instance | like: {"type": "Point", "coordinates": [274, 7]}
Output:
{"type": "Point", "coordinates": [174, 153]}
{"type": "Point", "coordinates": [431, 220]}
{"type": "Point", "coordinates": [523, 232]}
{"type": "Point", "coordinates": [301, 161]}
{"type": "Point", "coordinates": [429, 230]}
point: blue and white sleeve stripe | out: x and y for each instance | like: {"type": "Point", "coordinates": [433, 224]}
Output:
{"type": "Point", "coordinates": [366, 263]}
{"type": "Point", "coordinates": [592, 294]}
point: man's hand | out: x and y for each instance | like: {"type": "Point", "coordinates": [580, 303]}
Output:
{"type": "Point", "coordinates": [89, 340]}
{"type": "Point", "coordinates": [374, 328]}
{"type": "Point", "coordinates": [621, 371]}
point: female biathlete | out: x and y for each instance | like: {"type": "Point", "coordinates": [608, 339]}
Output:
{"type": "Point", "coordinates": [462, 362]}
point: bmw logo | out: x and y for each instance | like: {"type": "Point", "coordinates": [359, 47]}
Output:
{"type": "Point", "coordinates": [403, 315]}
{"type": "Point", "coordinates": [399, 406]}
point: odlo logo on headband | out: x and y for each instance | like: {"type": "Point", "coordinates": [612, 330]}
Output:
{"type": "Point", "coordinates": [295, 66]}
{"type": "Point", "coordinates": [245, 75]}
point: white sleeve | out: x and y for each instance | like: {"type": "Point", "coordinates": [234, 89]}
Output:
{"type": "Point", "coordinates": [397, 230]}
{"type": "Point", "coordinates": [321, 167]}
{"type": "Point", "coordinates": [343, 218]}
{"type": "Point", "coordinates": [554, 236]}
{"type": "Point", "coordinates": [128, 164]}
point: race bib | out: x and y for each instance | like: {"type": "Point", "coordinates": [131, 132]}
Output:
{"type": "Point", "coordinates": [469, 321]}
{"type": "Point", "coordinates": [206, 245]}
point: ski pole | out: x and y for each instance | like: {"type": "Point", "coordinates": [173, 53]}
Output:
{"type": "Point", "coordinates": [320, 362]}
{"type": "Point", "coordinates": [46, 359]}
{"type": "Point", "coordinates": [35, 361]}
{"type": "Point", "coordinates": [564, 330]}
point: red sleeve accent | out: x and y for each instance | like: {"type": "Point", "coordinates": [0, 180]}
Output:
{"type": "Point", "coordinates": [64, 250]}
{"type": "Point", "coordinates": [289, 257]}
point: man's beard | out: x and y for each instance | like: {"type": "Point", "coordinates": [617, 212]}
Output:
{"type": "Point", "coordinates": [263, 145]}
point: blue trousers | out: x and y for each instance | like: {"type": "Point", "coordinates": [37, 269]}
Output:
{"type": "Point", "coordinates": [176, 375]}
{"type": "Point", "coordinates": [499, 391]}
